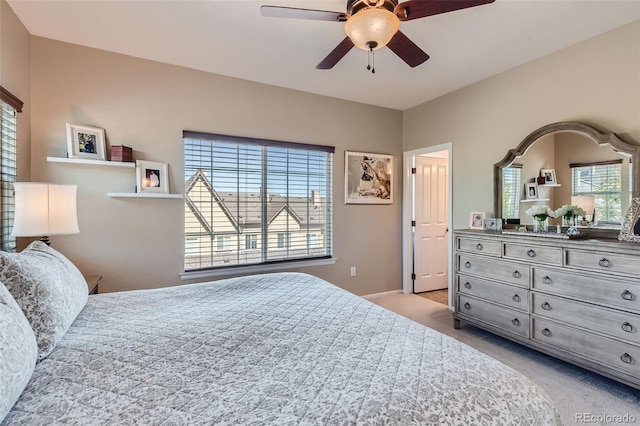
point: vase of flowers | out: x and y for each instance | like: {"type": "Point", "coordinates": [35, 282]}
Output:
{"type": "Point", "coordinates": [570, 214]}
{"type": "Point", "coordinates": [541, 214]}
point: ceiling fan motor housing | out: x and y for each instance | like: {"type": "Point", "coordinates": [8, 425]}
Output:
{"type": "Point", "coordinates": [354, 6]}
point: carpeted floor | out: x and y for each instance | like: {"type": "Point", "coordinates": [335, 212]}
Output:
{"type": "Point", "coordinates": [577, 393]}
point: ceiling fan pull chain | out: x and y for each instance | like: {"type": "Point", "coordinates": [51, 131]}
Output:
{"type": "Point", "coordinates": [371, 61]}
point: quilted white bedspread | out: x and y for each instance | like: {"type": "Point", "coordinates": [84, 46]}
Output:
{"type": "Point", "coordinates": [281, 349]}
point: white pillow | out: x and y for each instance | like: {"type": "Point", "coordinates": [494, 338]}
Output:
{"type": "Point", "coordinates": [48, 288]}
{"type": "Point", "coordinates": [18, 352]}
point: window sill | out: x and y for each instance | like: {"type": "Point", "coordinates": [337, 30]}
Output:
{"type": "Point", "coordinates": [252, 269]}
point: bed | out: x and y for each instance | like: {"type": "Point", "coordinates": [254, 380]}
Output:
{"type": "Point", "coordinates": [279, 349]}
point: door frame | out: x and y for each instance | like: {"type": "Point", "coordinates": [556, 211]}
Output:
{"type": "Point", "coordinates": [407, 208]}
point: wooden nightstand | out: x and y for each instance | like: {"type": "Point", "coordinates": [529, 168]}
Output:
{"type": "Point", "coordinates": [92, 282]}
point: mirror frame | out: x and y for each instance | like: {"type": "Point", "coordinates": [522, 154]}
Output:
{"type": "Point", "coordinates": [599, 137]}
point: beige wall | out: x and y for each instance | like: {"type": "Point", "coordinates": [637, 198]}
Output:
{"type": "Point", "coordinates": [15, 76]}
{"type": "Point", "coordinates": [136, 243]}
{"type": "Point", "coordinates": [597, 81]}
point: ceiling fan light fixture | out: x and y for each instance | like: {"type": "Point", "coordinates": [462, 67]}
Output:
{"type": "Point", "coordinates": [372, 28]}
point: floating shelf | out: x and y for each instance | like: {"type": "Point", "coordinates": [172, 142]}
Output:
{"type": "Point", "coordinates": [91, 162]}
{"type": "Point", "coordinates": [142, 195]}
{"type": "Point", "coordinates": [550, 184]}
{"type": "Point", "coordinates": [534, 200]}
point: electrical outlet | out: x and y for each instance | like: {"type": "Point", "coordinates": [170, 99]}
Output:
{"type": "Point", "coordinates": [353, 271]}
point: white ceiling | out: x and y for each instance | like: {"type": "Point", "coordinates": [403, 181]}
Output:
{"type": "Point", "coordinates": [231, 38]}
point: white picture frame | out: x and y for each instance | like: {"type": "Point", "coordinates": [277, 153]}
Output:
{"type": "Point", "coordinates": [492, 224]}
{"type": "Point", "coordinates": [476, 220]}
{"type": "Point", "coordinates": [549, 176]}
{"type": "Point", "coordinates": [368, 178]}
{"type": "Point", "coordinates": [152, 176]}
{"type": "Point", "coordinates": [85, 142]}
{"type": "Point", "coordinates": [531, 191]}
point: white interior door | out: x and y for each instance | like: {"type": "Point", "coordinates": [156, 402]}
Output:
{"type": "Point", "coordinates": [431, 248]}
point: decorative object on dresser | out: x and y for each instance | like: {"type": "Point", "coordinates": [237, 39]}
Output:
{"type": "Point", "coordinates": [631, 226]}
{"type": "Point", "coordinates": [121, 153]}
{"type": "Point", "coordinates": [572, 299]}
{"type": "Point", "coordinates": [85, 142]}
{"type": "Point", "coordinates": [476, 220]}
{"type": "Point", "coordinates": [368, 178]}
{"type": "Point", "coordinates": [492, 224]}
{"type": "Point", "coordinates": [152, 176]}
{"type": "Point", "coordinates": [44, 209]}
{"type": "Point", "coordinates": [540, 214]}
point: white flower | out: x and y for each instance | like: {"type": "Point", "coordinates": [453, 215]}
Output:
{"type": "Point", "coordinates": [542, 211]}
{"type": "Point", "coordinates": [568, 211]}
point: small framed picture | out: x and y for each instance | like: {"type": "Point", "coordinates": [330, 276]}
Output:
{"type": "Point", "coordinates": [152, 176]}
{"type": "Point", "coordinates": [85, 142]}
{"type": "Point", "coordinates": [476, 219]}
{"type": "Point", "coordinates": [492, 224]}
{"type": "Point", "coordinates": [630, 230]}
{"type": "Point", "coordinates": [368, 178]}
{"type": "Point", "coordinates": [531, 191]}
{"type": "Point", "coordinates": [549, 176]}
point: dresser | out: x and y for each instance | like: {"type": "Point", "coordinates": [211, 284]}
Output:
{"type": "Point", "coordinates": [577, 300]}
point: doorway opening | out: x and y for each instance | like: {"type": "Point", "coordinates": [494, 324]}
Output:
{"type": "Point", "coordinates": [427, 213]}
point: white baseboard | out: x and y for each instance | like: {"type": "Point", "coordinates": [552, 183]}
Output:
{"type": "Point", "coordinates": [386, 293]}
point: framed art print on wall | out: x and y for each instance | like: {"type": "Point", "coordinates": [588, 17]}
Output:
{"type": "Point", "coordinates": [85, 142]}
{"type": "Point", "coordinates": [368, 178]}
{"type": "Point", "coordinates": [152, 176]}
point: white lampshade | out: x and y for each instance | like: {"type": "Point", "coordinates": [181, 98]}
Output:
{"type": "Point", "coordinates": [372, 25]}
{"type": "Point", "coordinates": [44, 209]}
{"type": "Point", "coordinates": [586, 202]}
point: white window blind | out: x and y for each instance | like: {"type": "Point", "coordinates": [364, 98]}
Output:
{"type": "Point", "coordinates": [603, 181]}
{"type": "Point", "coordinates": [511, 190]}
{"type": "Point", "coordinates": [262, 198]}
{"type": "Point", "coordinates": [10, 106]}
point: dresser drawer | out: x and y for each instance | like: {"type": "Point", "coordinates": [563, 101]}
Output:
{"type": "Point", "coordinates": [498, 269]}
{"type": "Point", "coordinates": [616, 324]}
{"type": "Point", "coordinates": [613, 292]}
{"type": "Point", "coordinates": [508, 319]}
{"type": "Point", "coordinates": [533, 253]}
{"type": "Point", "coordinates": [511, 296]}
{"type": "Point", "coordinates": [479, 246]}
{"type": "Point", "coordinates": [602, 350]}
{"type": "Point", "coordinates": [603, 262]}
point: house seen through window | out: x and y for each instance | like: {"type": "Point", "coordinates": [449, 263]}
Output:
{"type": "Point", "coordinates": [250, 201]}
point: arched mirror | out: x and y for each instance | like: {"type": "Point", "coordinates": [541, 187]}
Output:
{"type": "Point", "coordinates": [569, 163]}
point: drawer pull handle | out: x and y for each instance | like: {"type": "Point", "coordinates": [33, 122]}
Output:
{"type": "Point", "coordinates": [626, 358]}
{"type": "Point", "coordinates": [516, 298]}
{"type": "Point", "coordinates": [531, 253]}
{"type": "Point", "coordinates": [546, 332]}
{"type": "Point", "coordinates": [467, 285]}
{"type": "Point", "coordinates": [627, 327]}
{"type": "Point", "coordinates": [515, 322]}
{"type": "Point", "coordinates": [467, 264]}
{"type": "Point", "coordinates": [517, 274]}
{"type": "Point", "coordinates": [604, 262]}
{"type": "Point", "coordinates": [546, 279]}
{"type": "Point", "coordinates": [467, 305]}
{"type": "Point", "coordinates": [546, 306]}
{"type": "Point", "coordinates": [627, 295]}
{"type": "Point", "coordinates": [479, 246]}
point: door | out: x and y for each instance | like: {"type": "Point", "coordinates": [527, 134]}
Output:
{"type": "Point", "coordinates": [431, 216]}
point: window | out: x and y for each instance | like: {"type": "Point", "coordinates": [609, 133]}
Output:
{"type": "Point", "coordinates": [604, 182]}
{"type": "Point", "coordinates": [511, 189]}
{"type": "Point", "coordinates": [10, 106]}
{"type": "Point", "coordinates": [265, 197]}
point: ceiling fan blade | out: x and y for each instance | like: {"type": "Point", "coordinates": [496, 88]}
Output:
{"type": "Point", "coordinates": [336, 54]}
{"type": "Point", "coordinates": [293, 12]}
{"type": "Point", "coordinates": [414, 9]}
{"type": "Point", "coordinates": [407, 50]}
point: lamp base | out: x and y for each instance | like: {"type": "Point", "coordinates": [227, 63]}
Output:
{"type": "Point", "coordinates": [45, 239]}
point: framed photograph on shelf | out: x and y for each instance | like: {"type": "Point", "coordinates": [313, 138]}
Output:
{"type": "Point", "coordinates": [549, 176]}
{"type": "Point", "coordinates": [492, 224]}
{"type": "Point", "coordinates": [152, 176]}
{"type": "Point", "coordinates": [85, 142]}
{"type": "Point", "coordinates": [476, 220]}
{"type": "Point", "coordinates": [630, 230]}
{"type": "Point", "coordinates": [368, 178]}
{"type": "Point", "coordinates": [531, 191]}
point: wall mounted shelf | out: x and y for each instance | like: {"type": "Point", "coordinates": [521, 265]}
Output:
{"type": "Point", "coordinates": [550, 184]}
{"type": "Point", "coordinates": [91, 162]}
{"type": "Point", "coordinates": [142, 195]}
{"type": "Point", "coordinates": [534, 200]}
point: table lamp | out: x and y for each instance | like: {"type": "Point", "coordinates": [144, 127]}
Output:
{"type": "Point", "coordinates": [587, 203]}
{"type": "Point", "coordinates": [44, 209]}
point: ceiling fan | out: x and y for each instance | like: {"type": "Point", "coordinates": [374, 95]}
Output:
{"type": "Point", "coordinates": [373, 24]}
